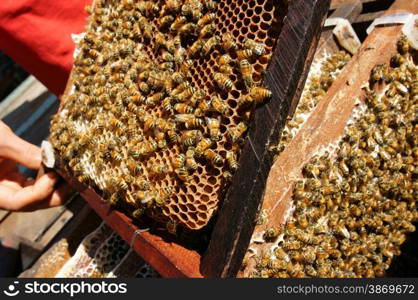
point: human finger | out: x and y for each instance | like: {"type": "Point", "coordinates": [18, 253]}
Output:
{"type": "Point", "coordinates": [16, 149]}
{"type": "Point", "coordinates": [40, 190]}
{"type": "Point", "coordinates": [58, 197]}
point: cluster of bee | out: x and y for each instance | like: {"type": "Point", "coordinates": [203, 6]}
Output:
{"type": "Point", "coordinates": [354, 208]}
{"type": "Point", "coordinates": [136, 125]}
{"type": "Point", "coordinates": [321, 76]}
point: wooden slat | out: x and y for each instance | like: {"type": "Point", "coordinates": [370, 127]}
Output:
{"type": "Point", "coordinates": [289, 65]}
{"type": "Point", "coordinates": [369, 17]}
{"type": "Point", "coordinates": [64, 244]}
{"type": "Point", "coordinates": [336, 3]}
{"type": "Point", "coordinates": [326, 123]}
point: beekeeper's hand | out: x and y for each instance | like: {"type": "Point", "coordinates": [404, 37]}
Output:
{"type": "Point", "coordinates": [18, 193]}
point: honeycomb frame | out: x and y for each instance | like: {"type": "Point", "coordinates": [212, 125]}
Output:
{"type": "Point", "coordinates": [273, 215]}
{"type": "Point", "coordinates": [281, 97]}
{"type": "Point", "coordinates": [193, 204]}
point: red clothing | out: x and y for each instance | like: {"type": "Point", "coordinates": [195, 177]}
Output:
{"type": "Point", "coordinates": [37, 35]}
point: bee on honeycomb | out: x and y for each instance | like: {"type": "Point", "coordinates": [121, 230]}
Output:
{"type": "Point", "coordinates": [153, 104]}
{"type": "Point", "coordinates": [354, 210]}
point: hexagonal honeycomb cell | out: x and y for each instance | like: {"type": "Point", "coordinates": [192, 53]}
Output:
{"type": "Point", "coordinates": [159, 99]}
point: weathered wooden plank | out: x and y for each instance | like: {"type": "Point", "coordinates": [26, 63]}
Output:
{"type": "Point", "coordinates": [289, 65]}
{"type": "Point", "coordinates": [64, 244]}
{"type": "Point", "coordinates": [369, 17]}
{"type": "Point", "coordinates": [326, 123]}
{"type": "Point", "coordinates": [336, 3]}
{"type": "Point", "coordinates": [29, 225]}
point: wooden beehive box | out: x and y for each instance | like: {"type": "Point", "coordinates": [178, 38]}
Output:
{"type": "Point", "coordinates": [327, 122]}
{"type": "Point", "coordinates": [230, 230]}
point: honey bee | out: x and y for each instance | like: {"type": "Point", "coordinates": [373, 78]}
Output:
{"type": "Point", "coordinates": [186, 94]}
{"type": "Point", "coordinates": [224, 59]}
{"type": "Point", "coordinates": [146, 198]}
{"type": "Point", "coordinates": [231, 158]}
{"type": "Point", "coordinates": [186, 65]}
{"type": "Point", "coordinates": [149, 122]}
{"type": "Point", "coordinates": [378, 73]}
{"type": "Point", "coordinates": [208, 18]}
{"type": "Point", "coordinates": [182, 174]}
{"type": "Point", "coordinates": [172, 136]}
{"type": "Point", "coordinates": [244, 54]}
{"type": "Point", "coordinates": [134, 167]}
{"type": "Point", "coordinates": [171, 226]}
{"type": "Point", "coordinates": [227, 175]}
{"type": "Point", "coordinates": [144, 87]}
{"type": "Point", "coordinates": [202, 146]}
{"type": "Point", "coordinates": [271, 234]}
{"type": "Point", "coordinates": [179, 55]}
{"type": "Point", "coordinates": [208, 29]}
{"type": "Point", "coordinates": [214, 125]}
{"type": "Point", "coordinates": [154, 99]}
{"type": "Point", "coordinates": [158, 169]}
{"type": "Point", "coordinates": [187, 29]}
{"type": "Point", "coordinates": [88, 9]}
{"type": "Point", "coordinates": [180, 88]}
{"type": "Point", "coordinates": [148, 8]}
{"type": "Point", "coordinates": [93, 53]}
{"type": "Point", "coordinates": [228, 43]}
{"type": "Point", "coordinates": [178, 23]}
{"type": "Point", "coordinates": [203, 106]}
{"type": "Point", "coordinates": [172, 6]}
{"type": "Point", "coordinates": [225, 69]}
{"type": "Point", "coordinates": [172, 44]}
{"type": "Point", "coordinates": [183, 108]}
{"type": "Point", "coordinates": [258, 94]}
{"type": "Point", "coordinates": [190, 137]}
{"type": "Point", "coordinates": [256, 48]}
{"type": "Point", "coordinates": [246, 72]}
{"type": "Point", "coordinates": [167, 56]}
{"type": "Point", "coordinates": [197, 97]}
{"type": "Point", "coordinates": [223, 81]}
{"type": "Point", "coordinates": [189, 120]}
{"type": "Point", "coordinates": [187, 9]}
{"type": "Point", "coordinates": [403, 45]}
{"type": "Point", "coordinates": [138, 213]}
{"type": "Point", "coordinates": [115, 123]}
{"type": "Point", "coordinates": [210, 44]}
{"type": "Point", "coordinates": [179, 161]}
{"type": "Point", "coordinates": [212, 156]}
{"type": "Point", "coordinates": [167, 104]}
{"type": "Point", "coordinates": [168, 65]}
{"type": "Point", "coordinates": [122, 182]}
{"type": "Point", "coordinates": [190, 161]}
{"type": "Point", "coordinates": [235, 133]}
{"type": "Point", "coordinates": [166, 20]}
{"type": "Point", "coordinates": [210, 5]}
{"type": "Point", "coordinates": [147, 31]}
{"type": "Point", "coordinates": [219, 106]}
{"type": "Point", "coordinates": [178, 77]}
{"type": "Point", "coordinates": [397, 60]}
